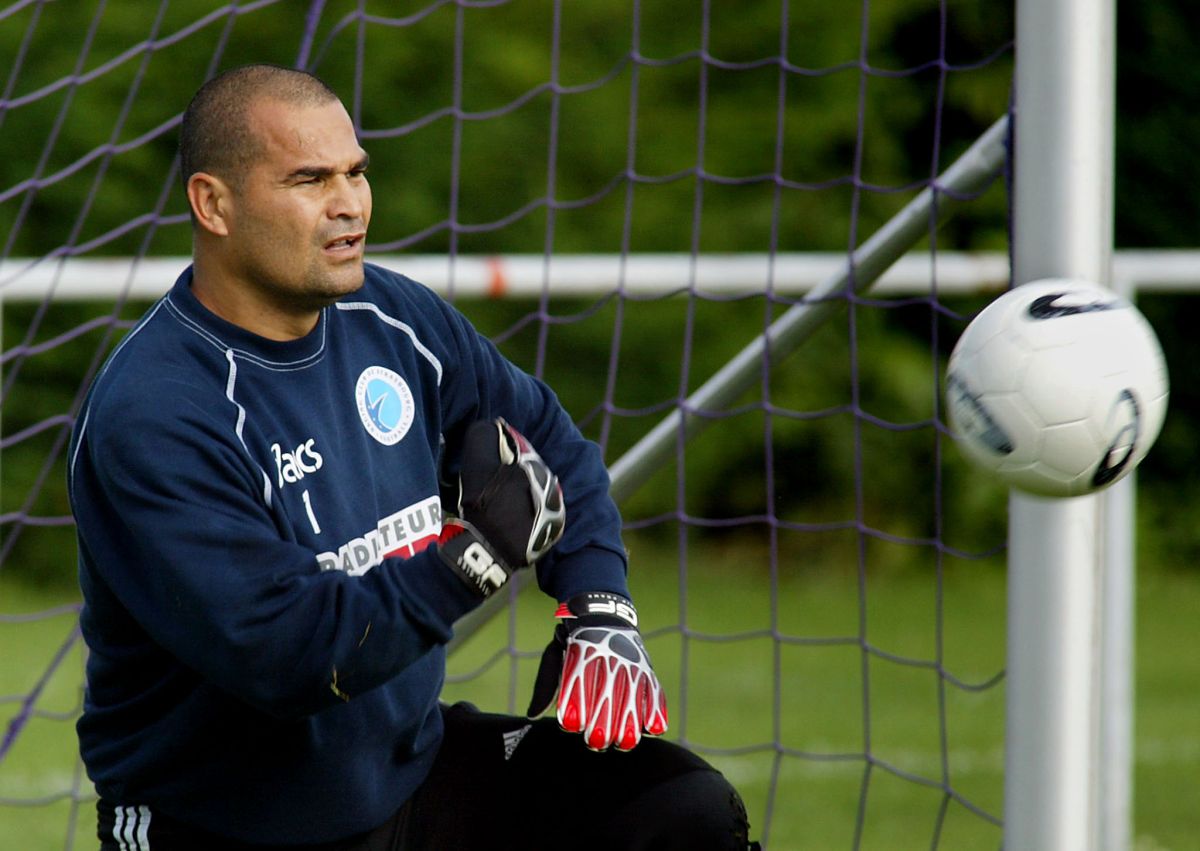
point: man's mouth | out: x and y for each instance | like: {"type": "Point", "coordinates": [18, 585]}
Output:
{"type": "Point", "coordinates": [349, 242]}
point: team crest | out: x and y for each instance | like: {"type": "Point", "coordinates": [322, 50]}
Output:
{"type": "Point", "coordinates": [385, 404]}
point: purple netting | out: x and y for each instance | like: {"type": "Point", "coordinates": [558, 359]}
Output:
{"type": "Point", "coordinates": [506, 127]}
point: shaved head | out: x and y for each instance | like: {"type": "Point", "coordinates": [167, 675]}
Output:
{"type": "Point", "coordinates": [217, 136]}
{"type": "Point", "coordinates": [279, 199]}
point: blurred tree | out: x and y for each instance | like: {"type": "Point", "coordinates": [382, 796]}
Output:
{"type": "Point", "coordinates": [534, 125]}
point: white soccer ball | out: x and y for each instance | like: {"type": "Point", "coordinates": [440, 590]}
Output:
{"type": "Point", "coordinates": [1058, 387]}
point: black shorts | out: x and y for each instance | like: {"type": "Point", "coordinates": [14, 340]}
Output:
{"type": "Point", "coordinates": [503, 782]}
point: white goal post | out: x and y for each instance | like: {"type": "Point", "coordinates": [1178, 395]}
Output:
{"type": "Point", "coordinates": [1069, 694]}
{"type": "Point", "coordinates": [1068, 744]}
{"type": "Point", "coordinates": [563, 275]}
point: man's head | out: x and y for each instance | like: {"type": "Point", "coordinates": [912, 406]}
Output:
{"type": "Point", "coordinates": [216, 135]}
{"type": "Point", "coordinates": [280, 204]}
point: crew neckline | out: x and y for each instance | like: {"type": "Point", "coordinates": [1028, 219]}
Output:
{"type": "Point", "coordinates": [232, 336]}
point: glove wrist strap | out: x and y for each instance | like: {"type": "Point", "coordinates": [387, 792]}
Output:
{"type": "Point", "coordinates": [600, 608]}
{"type": "Point", "coordinates": [472, 559]}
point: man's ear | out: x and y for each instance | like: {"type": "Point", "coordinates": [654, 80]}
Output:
{"type": "Point", "coordinates": [211, 202]}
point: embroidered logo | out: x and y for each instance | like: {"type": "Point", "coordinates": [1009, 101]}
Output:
{"type": "Point", "coordinates": [385, 404]}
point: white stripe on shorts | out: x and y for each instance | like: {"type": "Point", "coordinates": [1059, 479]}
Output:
{"type": "Point", "coordinates": [131, 828]}
{"type": "Point", "coordinates": [119, 827]}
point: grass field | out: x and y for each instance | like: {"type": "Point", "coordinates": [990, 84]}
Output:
{"type": "Point", "coordinates": [823, 703]}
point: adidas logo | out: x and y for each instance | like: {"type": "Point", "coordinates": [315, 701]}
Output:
{"type": "Point", "coordinates": [513, 738]}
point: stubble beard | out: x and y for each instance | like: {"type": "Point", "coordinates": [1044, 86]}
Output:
{"type": "Point", "coordinates": [321, 287]}
{"type": "Point", "coordinates": [311, 288]}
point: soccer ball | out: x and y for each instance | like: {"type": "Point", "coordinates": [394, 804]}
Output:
{"type": "Point", "coordinates": [1058, 387]}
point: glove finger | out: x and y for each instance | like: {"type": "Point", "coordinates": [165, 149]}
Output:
{"type": "Point", "coordinates": [484, 448]}
{"type": "Point", "coordinates": [653, 709]}
{"type": "Point", "coordinates": [549, 675]}
{"type": "Point", "coordinates": [550, 517]}
{"type": "Point", "coordinates": [589, 705]}
{"type": "Point", "coordinates": [599, 733]}
{"type": "Point", "coordinates": [627, 727]}
{"type": "Point", "coordinates": [548, 514]}
{"type": "Point", "coordinates": [572, 696]}
{"type": "Point", "coordinates": [629, 734]}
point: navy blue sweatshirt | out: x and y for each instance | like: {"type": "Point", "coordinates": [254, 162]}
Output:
{"type": "Point", "coordinates": [264, 606]}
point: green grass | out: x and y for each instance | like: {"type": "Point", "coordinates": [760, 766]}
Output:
{"type": "Point", "coordinates": [728, 700]}
{"type": "Point", "coordinates": [833, 704]}
{"type": "Point", "coordinates": [41, 764]}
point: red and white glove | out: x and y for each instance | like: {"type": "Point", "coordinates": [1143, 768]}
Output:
{"type": "Point", "coordinates": [597, 662]}
{"type": "Point", "coordinates": [508, 510]}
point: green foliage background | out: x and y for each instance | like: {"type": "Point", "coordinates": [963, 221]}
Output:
{"type": "Point", "coordinates": [646, 158]}
{"type": "Point", "coordinates": [667, 153]}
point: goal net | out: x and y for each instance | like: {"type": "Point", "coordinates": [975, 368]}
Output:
{"type": "Point", "coordinates": [630, 199]}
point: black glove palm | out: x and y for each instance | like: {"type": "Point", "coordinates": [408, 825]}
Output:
{"type": "Point", "coordinates": [509, 505]}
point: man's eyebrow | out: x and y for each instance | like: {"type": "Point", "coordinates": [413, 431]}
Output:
{"type": "Point", "coordinates": [326, 171]}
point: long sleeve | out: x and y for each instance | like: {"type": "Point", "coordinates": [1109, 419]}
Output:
{"type": "Point", "coordinates": [206, 569]}
{"type": "Point", "coordinates": [590, 556]}
{"type": "Point", "coordinates": [266, 623]}
{"type": "Point", "coordinates": [264, 607]}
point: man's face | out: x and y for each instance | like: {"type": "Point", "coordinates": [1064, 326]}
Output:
{"type": "Point", "coordinates": [300, 215]}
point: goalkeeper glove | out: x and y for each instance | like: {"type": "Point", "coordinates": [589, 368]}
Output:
{"type": "Point", "coordinates": [607, 689]}
{"type": "Point", "coordinates": [509, 508]}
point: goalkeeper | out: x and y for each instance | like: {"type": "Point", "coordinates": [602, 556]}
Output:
{"type": "Point", "coordinates": [291, 478]}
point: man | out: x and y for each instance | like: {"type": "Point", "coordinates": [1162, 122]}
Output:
{"type": "Point", "coordinates": [271, 571]}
